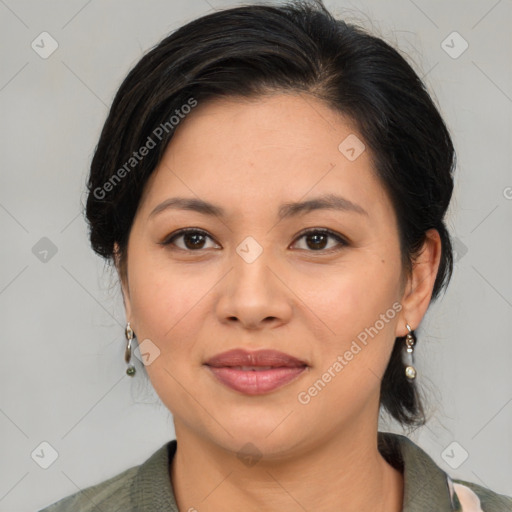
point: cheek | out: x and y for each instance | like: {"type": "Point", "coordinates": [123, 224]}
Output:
{"type": "Point", "coordinates": [358, 307]}
{"type": "Point", "coordinates": [170, 301]}
{"type": "Point", "coordinates": [352, 297]}
{"type": "Point", "coordinates": [158, 296]}
{"type": "Point", "coordinates": [358, 310]}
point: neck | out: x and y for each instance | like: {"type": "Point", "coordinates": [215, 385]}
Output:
{"type": "Point", "coordinates": [347, 469]}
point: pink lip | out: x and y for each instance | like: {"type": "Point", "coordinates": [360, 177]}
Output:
{"type": "Point", "coordinates": [284, 369]}
{"type": "Point", "coordinates": [240, 357]}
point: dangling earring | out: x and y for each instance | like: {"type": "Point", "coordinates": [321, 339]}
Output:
{"type": "Point", "coordinates": [128, 351]}
{"type": "Point", "coordinates": [410, 371]}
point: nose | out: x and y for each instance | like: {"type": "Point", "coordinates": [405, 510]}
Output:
{"type": "Point", "coordinates": [255, 294]}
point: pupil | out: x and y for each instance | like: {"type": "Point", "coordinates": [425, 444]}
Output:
{"type": "Point", "coordinates": [190, 236]}
{"type": "Point", "coordinates": [316, 237]}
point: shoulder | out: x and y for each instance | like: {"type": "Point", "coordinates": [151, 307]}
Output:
{"type": "Point", "coordinates": [146, 486]}
{"type": "Point", "coordinates": [473, 497]}
{"type": "Point", "coordinates": [428, 487]}
{"type": "Point", "coordinates": [112, 494]}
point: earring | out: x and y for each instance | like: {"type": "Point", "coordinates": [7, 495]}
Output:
{"type": "Point", "coordinates": [410, 371]}
{"type": "Point", "coordinates": [128, 351]}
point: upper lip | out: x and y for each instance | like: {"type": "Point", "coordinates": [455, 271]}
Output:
{"type": "Point", "coordinates": [241, 357]}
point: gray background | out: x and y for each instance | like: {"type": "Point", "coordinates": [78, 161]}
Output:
{"type": "Point", "coordinates": [62, 373]}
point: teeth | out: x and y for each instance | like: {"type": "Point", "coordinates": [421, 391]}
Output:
{"type": "Point", "coordinates": [255, 368]}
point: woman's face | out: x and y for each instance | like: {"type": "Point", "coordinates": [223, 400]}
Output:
{"type": "Point", "coordinates": [252, 279]}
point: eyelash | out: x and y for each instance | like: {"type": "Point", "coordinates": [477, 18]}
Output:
{"type": "Point", "coordinates": [342, 242]}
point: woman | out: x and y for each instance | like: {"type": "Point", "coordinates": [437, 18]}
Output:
{"type": "Point", "coordinates": [271, 185]}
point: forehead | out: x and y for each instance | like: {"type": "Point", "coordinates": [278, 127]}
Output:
{"type": "Point", "coordinates": [265, 150]}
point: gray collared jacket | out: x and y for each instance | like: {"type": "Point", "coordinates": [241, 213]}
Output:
{"type": "Point", "coordinates": [427, 488]}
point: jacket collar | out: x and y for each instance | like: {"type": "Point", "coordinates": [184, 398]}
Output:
{"type": "Point", "coordinates": [425, 484]}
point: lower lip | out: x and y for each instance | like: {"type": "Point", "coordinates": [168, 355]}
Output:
{"type": "Point", "coordinates": [256, 382]}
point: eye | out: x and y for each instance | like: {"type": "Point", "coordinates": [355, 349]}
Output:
{"type": "Point", "coordinates": [317, 239]}
{"type": "Point", "coordinates": [193, 238]}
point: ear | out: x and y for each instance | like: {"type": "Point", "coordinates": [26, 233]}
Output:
{"type": "Point", "coordinates": [420, 284]}
{"type": "Point", "coordinates": [123, 278]}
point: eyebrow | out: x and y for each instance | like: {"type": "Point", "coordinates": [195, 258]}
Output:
{"type": "Point", "coordinates": [286, 210]}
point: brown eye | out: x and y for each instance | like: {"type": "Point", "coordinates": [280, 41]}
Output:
{"type": "Point", "coordinates": [317, 240]}
{"type": "Point", "coordinates": [193, 239]}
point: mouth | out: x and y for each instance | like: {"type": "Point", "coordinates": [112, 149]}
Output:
{"type": "Point", "coordinates": [253, 368]}
{"type": "Point", "coordinates": [255, 373]}
{"type": "Point", "coordinates": [240, 358]}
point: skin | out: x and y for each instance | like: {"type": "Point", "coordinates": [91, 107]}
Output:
{"type": "Point", "coordinates": [250, 157]}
